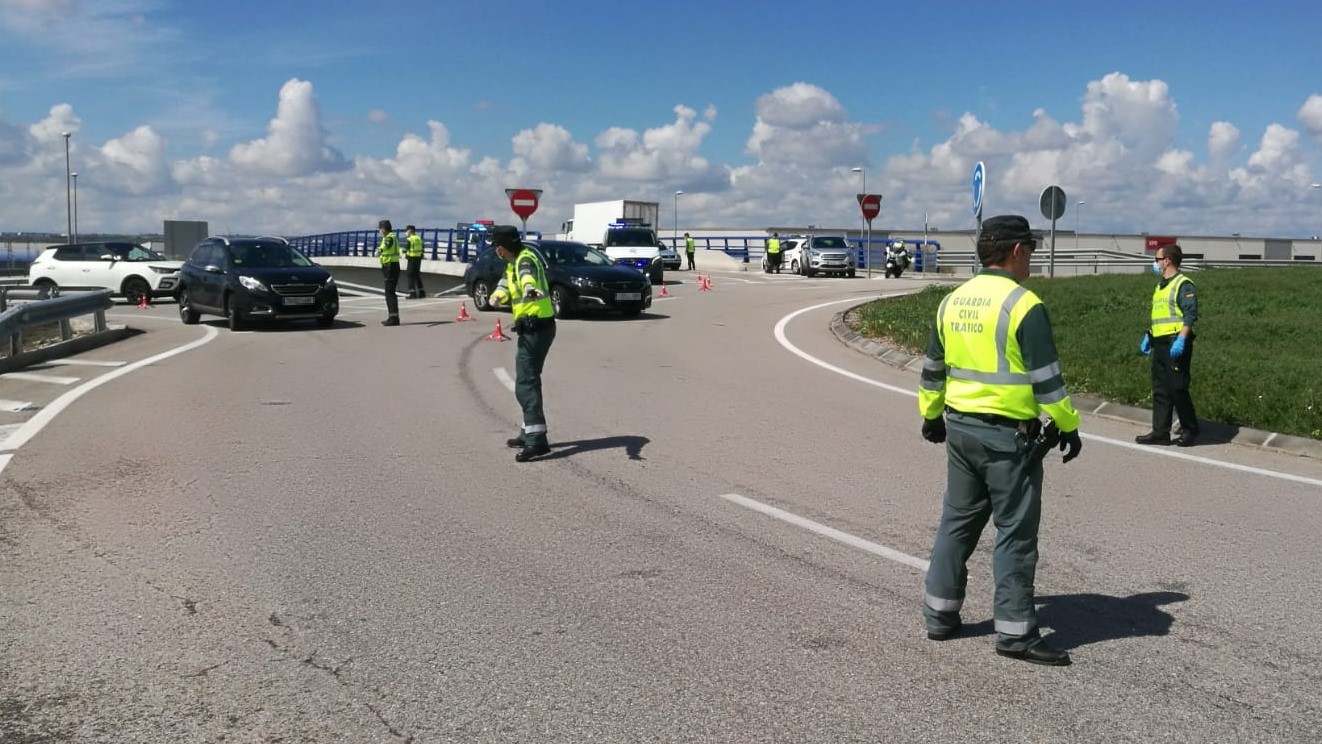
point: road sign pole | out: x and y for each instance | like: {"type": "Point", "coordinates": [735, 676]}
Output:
{"type": "Point", "coordinates": [867, 249]}
{"type": "Point", "coordinates": [1051, 259]}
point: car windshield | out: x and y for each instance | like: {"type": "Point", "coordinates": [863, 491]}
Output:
{"type": "Point", "coordinates": [631, 237]}
{"type": "Point", "coordinates": [829, 243]}
{"type": "Point", "coordinates": [139, 253]}
{"type": "Point", "coordinates": [267, 256]}
{"type": "Point", "coordinates": [576, 254]}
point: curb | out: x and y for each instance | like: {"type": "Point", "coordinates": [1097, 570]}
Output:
{"type": "Point", "coordinates": [1212, 433]}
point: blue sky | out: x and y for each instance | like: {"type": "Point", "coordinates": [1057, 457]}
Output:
{"type": "Point", "coordinates": [294, 117]}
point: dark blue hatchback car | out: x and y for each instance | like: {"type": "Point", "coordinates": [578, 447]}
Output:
{"type": "Point", "coordinates": [581, 278]}
{"type": "Point", "coordinates": [247, 279]}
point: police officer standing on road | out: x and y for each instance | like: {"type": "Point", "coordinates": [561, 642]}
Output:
{"type": "Point", "coordinates": [388, 250]}
{"type": "Point", "coordinates": [773, 253]}
{"type": "Point", "coordinates": [413, 252]}
{"type": "Point", "coordinates": [992, 367]}
{"type": "Point", "coordinates": [689, 249]}
{"type": "Point", "coordinates": [1169, 341]}
{"type": "Point", "coordinates": [525, 288]}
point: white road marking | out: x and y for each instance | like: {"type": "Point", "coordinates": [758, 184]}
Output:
{"type": "Point", "coordinates": [1156, 451]}
{"type": "Point", "coordinates": [831, 532]}
{"type": "Point", "coordinates": [5, 431]}
{"type": "Point", "coordinates": [38, 377]}
{"type": "Point", "coordinates": [32, 426]}
{"type": "Point", "coordinates": [85, 363]}
{"type": "Point", "coordinates": [13, 406]}
{"type": "Point", "coordinates": [504, 378]}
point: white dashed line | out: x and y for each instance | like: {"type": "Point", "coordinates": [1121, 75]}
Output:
{"type": "Point", "coordinates": [14, 406]}
{"type": "Point", "coordinates": [504, 378]}
{"type": "Point", "coordinates": [37, 377]}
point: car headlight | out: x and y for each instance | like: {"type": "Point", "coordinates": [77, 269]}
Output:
{"type": "Point", "coordinates": [252, 284]}
{"type": "Point", "coordinates": [330, 282]}
{"type": "Point", "coordinates": [163, 269]}
{"type": "Point", "coordinates": [582, 281]}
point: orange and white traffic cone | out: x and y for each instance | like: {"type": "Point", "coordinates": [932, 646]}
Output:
{"type": "Point", "coordinates": [664, 292]}
{"type": "Point", "coordinates": [498, 334]}
{"type": "Point", "coordinates": [142, 301]}
{"type": "Point", "coordinates": [463, 313]}
{"type": "Point", "coordinates": [706, 284]}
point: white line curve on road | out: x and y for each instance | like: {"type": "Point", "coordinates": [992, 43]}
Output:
{"type": "Point", "coordinates": [784, 341]}
{"type": "Point", "coordinates": [504, 378]}
{"type": "Point", "coordinates": [32, 426]}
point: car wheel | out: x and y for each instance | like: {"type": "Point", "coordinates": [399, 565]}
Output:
{"type": "Point", "coordinates": [561, 301]}
{"type": "Point", "coordinates": [481, 295]}
{"type": "Point", "coordinates": [232, 314]}
{"type": "Point", "coordinates": [49, 284]}
{"type": "Point", "coordinates": [658, 276]}
{"type": "Point", "coordinates": [794, 267]}
{"type": "Point", "coordinates": [135, 288]}
{"type": "Point", "coordinates": [186, 312]}
{"type": "Point", "coordinates": [851, 273]}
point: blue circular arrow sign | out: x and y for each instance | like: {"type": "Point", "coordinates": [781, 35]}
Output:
{"type": "Point", "coordinates": [979, 179]}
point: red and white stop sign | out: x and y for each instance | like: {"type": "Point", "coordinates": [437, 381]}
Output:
{"type": "Point", "coordinates": [870, 204]}
{"type": "Point", "coordinates": [523, 201]}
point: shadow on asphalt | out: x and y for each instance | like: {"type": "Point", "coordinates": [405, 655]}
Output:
{"type": "Point", "coordinates": [1082, 619]}
{"type": "Point", "coordinates": [632, 446]}
{"type": "Point", "coordinates": [287, 326]}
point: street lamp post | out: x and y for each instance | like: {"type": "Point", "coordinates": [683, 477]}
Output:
{"type": "Point", "coordinates": [864, 239]}
{"type": "Point", "coordinates": [675, 231]}
{"type": "Point", "coordinates": [75, 206]}
{"type": "Point", "coordinates": [68, 186]}
{"type": "Point", "coordinates": [1077, 210]}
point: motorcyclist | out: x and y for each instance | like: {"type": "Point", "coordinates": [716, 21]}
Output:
{"type": "Point", "coordinates": [897, 258]}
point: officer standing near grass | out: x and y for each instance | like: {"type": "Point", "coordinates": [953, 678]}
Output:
{"type": "Point", "coordinates": [1169, 341]}
{"type": "Point", "coordinates": [992, 367]}
{"type": "Point", "coordinates": [525, 289]}
{"type": "Point", "coordinates": [413, 252]}
{"type": "Point", "coordinates": [388, 250]}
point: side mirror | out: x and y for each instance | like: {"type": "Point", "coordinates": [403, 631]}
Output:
{"type": "Point", "coordinates": [108, 257]}
{"type": "Point", "coordinates": [213, 269]}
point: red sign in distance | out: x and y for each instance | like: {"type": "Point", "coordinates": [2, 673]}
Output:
{"type": "Point", "coordinates": [524, 201]}
{"type": "Point", "coordinates": [870, 204]}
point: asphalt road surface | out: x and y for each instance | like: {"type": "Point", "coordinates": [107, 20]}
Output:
{"type": "Point", "coordinates": [317, 535]}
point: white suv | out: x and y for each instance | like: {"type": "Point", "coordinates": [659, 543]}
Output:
{"type": "Point", "coordinates": [818, 254]}
{"type": "Point", "coordinates": [126, 269]}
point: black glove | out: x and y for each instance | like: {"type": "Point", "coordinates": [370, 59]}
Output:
{"type": "Point", "coordinates": [934, 430]}
{"type": "Point", "coordinates": [1069, 440]}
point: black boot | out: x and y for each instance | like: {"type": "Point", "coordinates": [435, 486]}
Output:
{"type": "Point", "coordinates": [515, 443]}
{"type": "Point", "coordinates": [1038, 653]}
{"type": "Point", "coordinates": [531, 451]}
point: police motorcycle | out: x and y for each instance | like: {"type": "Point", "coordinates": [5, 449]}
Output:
{"type": "Point", "coordinates": [897, 259]}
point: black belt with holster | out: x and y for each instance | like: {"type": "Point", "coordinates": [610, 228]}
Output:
{"type": "Point", "coordinates": [1031, 431]}
{"type": "Point", "coordinates": [528, 324]}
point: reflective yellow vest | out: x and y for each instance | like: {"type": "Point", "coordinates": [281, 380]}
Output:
{"type": "Point", "coordinates": [688, 245]}
{"type": "Point", "coordinates": [1167, 318]}
{"type": "Point", "coordinates": [389, 249]}
{"type": "Point", "coordinates": [415, 247]}
{"type": "Point", "coordinates": [984, 366]}
{"type": "Point", "coordinates": [517, 285]}
{"type": "Point", "coordinates": [773, 245]}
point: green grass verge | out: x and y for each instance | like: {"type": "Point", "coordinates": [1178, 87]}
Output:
{"type": "Point", "coordinates": [1257, 361]}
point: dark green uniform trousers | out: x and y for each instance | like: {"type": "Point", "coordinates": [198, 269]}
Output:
{"type": "Point", "coordinates": [990, 473]}
{"type": "Point", "coordinates": [1170, 386]}
{"type": "Point", "coordinates": [534, 344]}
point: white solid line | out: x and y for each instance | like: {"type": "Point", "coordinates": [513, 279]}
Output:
{"type": "Point", "coordinates": [13, 406]}
{"type": "Point", "coordinates": [86, 363]}
{"type": "Point", "coordinates": [35, 424]}
{"type": "Point", "coordinates": [831, 532]}
{"type": "Point", "coordinates": [37, 377]}
{"type": "Point", "coordinates": [1156, 451]}
{"type": "Point", "coordinates": [504, 378]}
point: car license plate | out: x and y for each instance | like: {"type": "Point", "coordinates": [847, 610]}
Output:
{"type": "Point", "coordinates": [628, 296]}
{"type": "Point", "coordinates": [300, 300]}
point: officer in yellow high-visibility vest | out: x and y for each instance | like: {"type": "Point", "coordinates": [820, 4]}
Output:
{"type": "Point", "coordinates": [689, 249]}
{"type": "Point", "coordinates": [388, 250]}
{"type": "Point", "coordinates": [1170, 342]}
{"type": "Point", "coordinates": [525, 289]}
{"type": "Point", "coordinates": [991, 367]}
{"type": "Point", "coordinates": [413, 252]}
{"type": "Point", "coordinates": [773, 253]}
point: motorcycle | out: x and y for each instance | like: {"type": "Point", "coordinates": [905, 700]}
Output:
{"type": "Point", "coordinates": [896, 263]}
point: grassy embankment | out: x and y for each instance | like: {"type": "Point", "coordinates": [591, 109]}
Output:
{"type": "Point", "coordinates": [1257, 361]}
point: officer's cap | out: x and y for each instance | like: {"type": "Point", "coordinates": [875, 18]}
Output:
{"type": "Point", "coordinates": [1007, 228]}
{"type": "Point", "coordinates": [506, 236]}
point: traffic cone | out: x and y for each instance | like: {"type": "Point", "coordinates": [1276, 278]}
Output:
{"type": "Point", "coordinates": [664, 292]}
{"type": "Point", "coordinates": [706, 284]}
{"type": "Point", "coordinates": [142, 301]}
{"type": "Point", "coordinates": [498, 334]}
{"type": "Point", "coordinates": [463, 313]}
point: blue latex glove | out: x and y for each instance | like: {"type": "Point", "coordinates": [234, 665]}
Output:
{"type": "Point", "coordinates": [1177, 347]}
{"type": "Point", "coordinates": [1145, 346]}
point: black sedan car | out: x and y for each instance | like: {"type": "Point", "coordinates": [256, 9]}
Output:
{"type": "Point", "coordinates": [245, 279]}
{"type": "Point", "coordinates": [581, 279]}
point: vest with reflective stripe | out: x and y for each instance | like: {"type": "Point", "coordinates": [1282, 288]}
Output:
{"type": "Point", "coordinates": [689, 247]}
{"type": "Point", "coordinates": [773, 245]}
{"type": "Point", "coordinates": [985, 367]}
{"type": "Point", "coordinates": [389, 249]}
{"type": "Point", "coordinates": [517, 285]}
{"type": "Point", "coordinates": [415, 247]}
{"type": "Point", "coordinates": [1167, 317]}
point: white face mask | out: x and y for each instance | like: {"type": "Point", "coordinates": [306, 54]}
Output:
{"type": "Point", "coordinates": [1156, 268]}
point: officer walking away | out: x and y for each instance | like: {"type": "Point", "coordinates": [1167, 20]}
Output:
{"type": "Point", "coordinates": [773, 253]}
{"type": "Point", "coordinates": [413, 252]}
{"type": "Point", "coordinates": [1169, 341]}
{"type": "Point", "coordinates": [991, 366]}
{"type": "Point", "coordinates": [689, 249]}
{"type": "Point", "coordinates": [525, 289]}
{"type": "Point", "coordinates": [388, 250]}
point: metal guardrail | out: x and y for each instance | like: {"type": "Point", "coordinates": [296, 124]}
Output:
{"type": "Point", "coordinates": [45, 306]}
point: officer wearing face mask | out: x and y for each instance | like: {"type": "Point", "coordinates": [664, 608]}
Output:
{"type": "Point", "coordinates": [1169, 341]}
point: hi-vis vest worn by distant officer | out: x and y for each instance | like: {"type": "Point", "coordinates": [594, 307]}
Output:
{"type": "Point", "coordinates": [773, 245]}
{"type": "Point", "coordinates": [389, 249]}
{"type": "Point", "coordinates": [415, 247]}
{"type": "Point", "coordinates": [524, 273]}
{"type": "Point", "coordinates": [689, 247]}
{"type": "Point", "coordinates": [1167, 317]}
{"type": "Point", "coordinates": [978, 324]}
